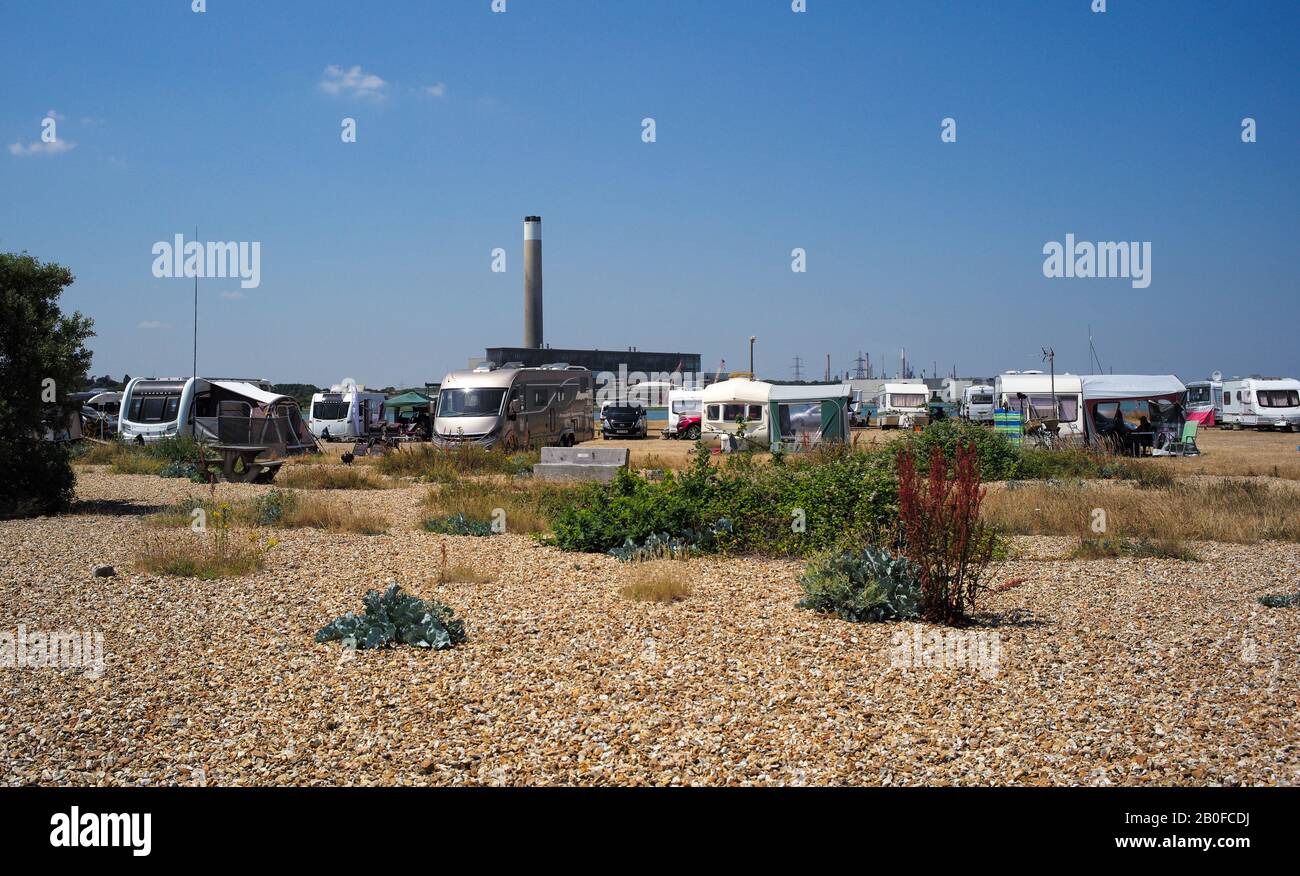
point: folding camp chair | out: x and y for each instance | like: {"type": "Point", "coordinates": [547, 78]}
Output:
{"type": "Point", "coordinates": [1186, 445]}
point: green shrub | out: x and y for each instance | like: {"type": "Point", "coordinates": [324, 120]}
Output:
{"type": "Point", "coordinates": [827, 499]}
{"type": "Point", "coordinates": [999, 459]}
{"type": "Point", "coordinates": [1274, 600]}
{"type": "Point", "coordinates": [38, 479]}
{"type": "Point", "coordinates": [662, 546]}
{"type": "Point", "coordinates": [860, 586]}
{"type": "Point", "coordinates": [181, 470]}
{"type": "Point", "coordinates": [458, 524]}
{"type": "Point", "coordinates": [177, 448]}
{"type": "Point", "coordinates": [396, 617]}
{"type": "Point", "coordinates": [269, 510]}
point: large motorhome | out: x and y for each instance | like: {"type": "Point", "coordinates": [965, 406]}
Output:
{"type": "Point", "coordinates": [977, 403]}
{"type": "Point", "coordinates": [1030, 394]}
{"type": "Point", "coordinates": [345, 413]}
{"type": "Point", "coordinates": [775, 414]}
{"type": "Point", "coordinates": [902, 405]}
{"type": "Point", "coordinates": [213, 410]}
{"type": "Point", "coordinates": [1261, 403]}
{"type": "Point", "coordinates": [1203, 402]}
{"type": "Point", "coordinates": [515, 407]}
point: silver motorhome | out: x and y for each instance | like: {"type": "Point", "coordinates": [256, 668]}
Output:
{"type": "Point", "coordinates": [515, 407]}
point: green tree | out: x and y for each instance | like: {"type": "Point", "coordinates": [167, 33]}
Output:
{"type": "Point", "coordinates": [42, 358]}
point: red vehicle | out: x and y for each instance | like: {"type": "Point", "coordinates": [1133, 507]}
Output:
{"type": "Point", "coordinates": [688, 427]}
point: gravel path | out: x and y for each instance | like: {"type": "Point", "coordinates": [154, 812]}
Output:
{"type": "Point", "coordinates": [1112, 671]}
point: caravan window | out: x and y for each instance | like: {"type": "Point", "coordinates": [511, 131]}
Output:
{"type": "Point", "coordinates": [731, 413]}
{"type": "Point", "coordinates": [686, 406]}
{"type": "Point", "coordinates": [1041, 406]}
{"type": "Point", "coordinates": [981, 399]}
{"type": "Point", "coordinates": [540, 396]}
{"type": "Point", "coordinates": [907, 399]}
{"type": "Point", "coordinates": [1278, 398]}
{"type": "Point", "coordinates": [330, 410]}
{"type": "Point", "coordinates": [798, 418]}
{"type": "Point", "coordinates": [154, 408]}
{"type": "Point", "coordinates": [713, 413]}
{"type": "Point", "coordinates": [1198, 395]}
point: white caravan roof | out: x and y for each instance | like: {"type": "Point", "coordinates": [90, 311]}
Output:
{"type": "Point", "coordinates": [1121, 386]}
{"type": "Point", "coordinates": [902, 388]}
{"type": "Point", "coordinates": [742, 389]}
{"type": "Point", "coordinates": [1038, 383]}
{"type": "Point", "coordinates": [1268, 382]}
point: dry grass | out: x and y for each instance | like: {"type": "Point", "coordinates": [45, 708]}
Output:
{"type": "Point", "coordinates": [304, 477]}
{"type": "Point", "coordinates": [527, 506]}
{"type": "Point", "coordinates": [205, 556]}
{"type": "Point", "coordinates": [1240, 511]}
{"type": "Point", "coordinates": [658, 581]}
{"type": "Point", "coordinates": [1244, 454]}
{"type": "Point", "coordinates": [316, 512]}
{"type": "Point", "coordinates": [1110, 548]}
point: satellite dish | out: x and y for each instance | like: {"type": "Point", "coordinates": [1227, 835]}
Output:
{"type": "Point", "coordinates": [1217, 376]}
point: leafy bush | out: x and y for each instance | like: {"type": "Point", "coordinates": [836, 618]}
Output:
{"type": "Point", "coordinates": [396, 617]}
{"type": "Point", "coordinates": [270, 509]}
{"type": "Point", "coordinates": [999, 459]}
{"type": "Point", "coordinates": [38, 478]}
{"type": "Point", "coordinates": [861, 586]}
{"type": "Point", "coordinates": [176, 448]}
{"type": "Point", "coordinates": [458, 524]}
{"type": "Point", "coordinates": [662, 546]}
{"type": "Point", "coordinates": [793, 508]}
{"type": "Point", "coordinates": [942, 531]}
{"type": "Point", "coordinates": [186, 470]}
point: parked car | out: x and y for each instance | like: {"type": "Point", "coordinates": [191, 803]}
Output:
{"type": "Point", "coordinates": [687, 427]}
{"type": "Point", "coordinates": [623, 421]}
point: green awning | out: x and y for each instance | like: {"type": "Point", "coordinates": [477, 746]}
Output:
{"type": "Point", "coordinates": [408, 400]}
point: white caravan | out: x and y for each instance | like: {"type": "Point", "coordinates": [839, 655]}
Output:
{"type": "Point", "coordinates": [774, 414]}
{"type": "Point", "coordinates": [902, 405]}
{"type": "Point", "coordinates": [345, 413]}
{"type": "Point", "coordinates": [1261, 403]}
{"type": "Point", "coordinates": [977, 403]}
{"type": "Point", "coordinates": [1030, 393]}
{"type": "Point", "coordinates": [214, 410]}
{"type": "Point", "coordinates": [1203, 402]}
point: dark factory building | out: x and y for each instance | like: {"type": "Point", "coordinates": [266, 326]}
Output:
{"type": "Point", "coordinates": [598, 360]}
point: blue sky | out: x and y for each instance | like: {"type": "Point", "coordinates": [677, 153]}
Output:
{"type": "Point", "coordinates": [775, 130]}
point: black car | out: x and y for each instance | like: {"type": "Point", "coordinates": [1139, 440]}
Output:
{"type": "Point", "coordinates": [623, 421]}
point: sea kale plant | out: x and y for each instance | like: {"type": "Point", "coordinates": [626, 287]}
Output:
{"type": "Point", "coordinates": [662, 546]}
{"type": "Point", "coordinates": [396, 618]}
{"type": "Point", "coordinates": [861, 586]}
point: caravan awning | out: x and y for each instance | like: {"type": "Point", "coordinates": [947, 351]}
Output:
{"type": "Point", "coordinates": [408, 400]}
{"type": "Point", "coordinates": [1136, 386]}
{"type": "Point", "coordinates": [249, 391]}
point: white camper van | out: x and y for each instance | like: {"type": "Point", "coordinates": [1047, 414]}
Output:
{"type": "Point", "coordinates": [1261, 403]}
{"type": "Point", "coordinates": [515, 407]}
{"type": "Point", "coordinates": [902, 405]}
{"type": "Point", "coordinates": [977, 403]}
{"type": "Point", "coordinates": [1203, 402]}
{"type": "Point", "coordinates": [774, 414]}
{"type": "Point", "coordinates": [345, 413]}
{"type": "Point", "coordinates": [214, 410]}
{"type": "Point", "coordinates": [1030, 393]}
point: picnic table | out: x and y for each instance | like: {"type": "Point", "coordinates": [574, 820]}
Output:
{"type": "Point", "coordinates": [239, 464]}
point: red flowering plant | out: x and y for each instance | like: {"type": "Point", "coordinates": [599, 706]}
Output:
{"type": "Point", "coordinates": [942, 531]}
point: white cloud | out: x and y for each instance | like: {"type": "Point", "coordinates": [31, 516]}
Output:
{"type": "Point", "coordinates": [152, 324]}
{"type": "Point", "coordinates": [353, 82]}
{"type": "Point", "coordinates": [233, 296]}
{"type": "Point", "coordinates": [41, 148]}
{"type": "Point", "coordinates": [438, 89]}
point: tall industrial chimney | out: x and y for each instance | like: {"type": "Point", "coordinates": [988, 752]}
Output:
{"type": "Point", "coordinates": [533, 282]}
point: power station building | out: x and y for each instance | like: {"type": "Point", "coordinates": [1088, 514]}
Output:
{"type": "Point", "coordinates": [534, 352]}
